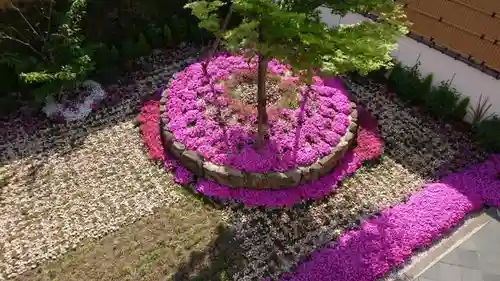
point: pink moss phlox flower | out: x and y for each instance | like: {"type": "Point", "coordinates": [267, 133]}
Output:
{"type": "Point", "coordinates": [182, 175]}
{"type": "Point", "coordinates": [149, 117]}
{"type": "Point", "coordinates": [386, 241]}
{"type": "Point", "coordinates": [191, 101]}
{"type": "Point", "coordinates": [271, 198]}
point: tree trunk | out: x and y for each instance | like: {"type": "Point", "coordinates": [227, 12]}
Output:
{"type": "Point", "coordinates": [217, 41]}
{"type": "Point", "coordinates": [261, 100]}
{"type": "Point", "coordinates": [261, 97]}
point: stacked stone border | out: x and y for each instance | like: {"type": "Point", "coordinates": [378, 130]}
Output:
{"type": "Point", "coordinates": [231, 177]}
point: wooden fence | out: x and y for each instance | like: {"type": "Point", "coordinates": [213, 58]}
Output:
{"type": "Point", "coordinates": [468, 27]}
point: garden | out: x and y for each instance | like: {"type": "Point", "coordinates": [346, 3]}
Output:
{"type": "Point", "coordinates": [239, 140]}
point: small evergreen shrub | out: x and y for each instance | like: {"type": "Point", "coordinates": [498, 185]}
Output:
{"type": "Point", "coordinates": [442, 101]}
{"type": "Point", "coordinates": [154, 35]}
{"type": "Point", "coordinates": [488, 134]}
{"type": "Point", "coordinates": [143, 47]}
{"type": "Point", "coordinates": [167, 36]}
{"type": "Point", "coordinates": [461, 109]}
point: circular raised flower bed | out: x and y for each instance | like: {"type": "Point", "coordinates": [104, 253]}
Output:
{"type": "Point", "coordinates": [213, 134]}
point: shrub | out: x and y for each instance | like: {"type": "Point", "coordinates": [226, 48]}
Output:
{"type": "Point", "coordinates": [488, 134]}
{"type": "Point", "coordinates": [460, 110]}
{"type": "Point", "coordinates": [143, 47]}
{"type": "Point", "coordinates": [408, 84]}
{"type": "Point", "coordinates": [442, 101]}
{"type": "Point", "coordinates": [53, 58]}
{"type": "Point", "coordinates": [179, 29]}
{"type": "Point", "coordinates": [154, 35]}
{"type": "Point", "coordinates": [167, 35]}
{"type": "Point", "coordinates": [130, 49]}
{"type": "Point", "coordinates": [480, 111]}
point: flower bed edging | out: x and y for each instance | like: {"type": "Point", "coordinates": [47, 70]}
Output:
{"type": "Point", "coordinates": [368, 146]}
{"type": "Point", "coordinates": [271, 180]}
{"type": "Point", "coordinates": [386, 241]}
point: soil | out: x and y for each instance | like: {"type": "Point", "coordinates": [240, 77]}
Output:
{"type": "Point", "coordinates": [247, 93]}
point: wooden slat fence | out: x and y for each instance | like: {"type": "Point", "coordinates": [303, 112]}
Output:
{"type": "Point", "coordinates": [468, 27]}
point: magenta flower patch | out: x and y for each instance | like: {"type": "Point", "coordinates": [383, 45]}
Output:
{"type": "Point", "coordinates": [369, 146]}
{"type": "Point", "coordinates": [296, 136]}
{"type": "Point", "coordinates": [388, 240]}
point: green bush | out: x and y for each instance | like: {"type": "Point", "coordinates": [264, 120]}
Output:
{"type": "Point", "coordinates": [167, 36]}
{"type": "Point", "coordinates": [488, 134]}
{"type": "Point", "coordinates": [179, 29]}
{"type": "Point", "coordinates": [154, 35]}
{"type": "Point", "coordinates": [442, 101]}
{"type": "Point", "coordinates": [70, 43]}
{"type": "Point", "coordinates": [408, 84]}
{"type": "Point", "coordinates": [143, 46]}
{"type": "Point", "coordinates": [52, 58]}
{"type": "Point", "coordinates": [461, 109]}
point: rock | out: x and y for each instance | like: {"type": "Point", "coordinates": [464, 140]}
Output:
{"type": "Point", "coordinates": [353, 127]}
{"type": "Point", "coordinates": [330, 161]}
{"type": "Point", "coordinates": [216, 173]}
{"type": "Point", "coordinates": [347, 139]}
{"type": "Point", "coordinates": [257, 180]}
{"type": "Point", "coordinates": [315, 170]}
{"type": "Point", "coordinates": [177, 149]}
{"type": "Point", "coordinates": [236, 178]}
{"type": "Point", "coordinates": [278, 179]}
{"type": "Point", "coordinates": [354, 115]}
{"type": "Point", "coordinates": [192, 161]}
{"type": "Point", "coordinates": [294, 177]}
{"type": "Point", "coordinates": [167, 137]}
{"type": "Point", "coordinates": [163, 100]}
{"type": "Point", "coordinates": [306, 174]}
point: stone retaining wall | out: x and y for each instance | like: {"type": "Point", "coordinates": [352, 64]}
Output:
{"type": "Point", "coordinates": [195, 163]}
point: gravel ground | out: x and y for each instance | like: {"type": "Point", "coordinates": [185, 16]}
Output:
{"type": "Point", "coordinates": [93, 179]}
{"type": "Point", "coordinates": [63, 183]}
{"type": "Point", "coordinates": [418, 149]}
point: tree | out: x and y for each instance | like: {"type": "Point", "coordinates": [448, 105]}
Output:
{"type": "Point", "coordinates": [292, 31]}
{"type": "Point", "coordinates": [48, 54]}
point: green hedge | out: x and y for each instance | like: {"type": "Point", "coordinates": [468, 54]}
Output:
{"type": "Point", "coordinates": [83, 39]}
{"type": "Point", "coordinates": [444, 102]}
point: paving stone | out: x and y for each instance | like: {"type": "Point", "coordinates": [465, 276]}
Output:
{"type": "Point", "coordinates": [491, 277]}
{"type": "Point", "coordinates": [424, 279]}
{"type": "Point", "coordinates": [462, 257]}
{"type": "Point", "coordinates": [489, 262]}
{"type": "Point", "coordinates": [443, 272]}
{"type": "Point", "coordinates": [486, 240]}
{"type": "Point", "coordinates": [471, 274]}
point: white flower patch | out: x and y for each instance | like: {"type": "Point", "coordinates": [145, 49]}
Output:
{"type": "Point", "coordinates": [81, 110]}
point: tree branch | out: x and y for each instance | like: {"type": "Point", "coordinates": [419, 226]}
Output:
{"type": "Point", "coordinates": [25, 19]}
{"type": "Point", "coordinates": [218, 38]}
{"type": "Point", "coordinates": [5, 36]}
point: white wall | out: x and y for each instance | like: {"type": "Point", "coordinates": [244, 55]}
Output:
{"type": "Point", "coordinates": [468, 80]}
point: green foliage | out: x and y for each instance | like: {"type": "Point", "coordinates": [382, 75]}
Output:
{"type": "Point", "coordinates": [167, 35]}
{"type": "Point", "coordinates": [54, 58]}
{"type": "Point", "coordinates": [154, 35]}
{"type": "Point", "coordinates": [488, 134]}
{"type": "Point", "coordinates": [179, 29]}
{"type": "Point", "coordinates": [480, 111]}
{"type": "Point", "coordinates": [408, 84]}
{"type": "Point", "coordinates": [143, 47]}
{"type": "Point", "coordinates": [130, 49]}
{"type": "Point", "coordinates": [293, 32]}
{"type": "Point", "coordinates": [461, 109]}
{"type": "Point", "coordinates": [50, 45]}
{"type": "Point", "coordinates": [443, 101]}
